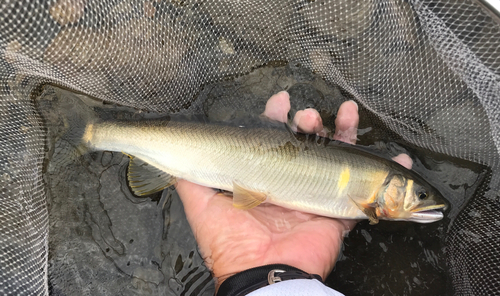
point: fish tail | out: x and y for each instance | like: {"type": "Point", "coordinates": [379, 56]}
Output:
{"type": "Point", "coordinates": [79, 122]}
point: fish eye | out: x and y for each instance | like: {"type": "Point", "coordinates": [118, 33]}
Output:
{"type": "Point", "coordinates": [422, 195]}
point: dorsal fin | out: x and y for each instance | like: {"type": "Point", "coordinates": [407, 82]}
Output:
{"type": "Point", "coordinates": [145, 179]}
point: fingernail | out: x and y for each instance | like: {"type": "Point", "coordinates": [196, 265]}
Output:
{"type": "Point", "coordinates": [357, 108]}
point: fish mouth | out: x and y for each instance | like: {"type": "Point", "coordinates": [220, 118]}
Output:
{"type": "Point", "coordinates": [427, 215]}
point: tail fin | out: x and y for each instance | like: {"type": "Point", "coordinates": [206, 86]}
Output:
{"type": "Point", "coordinates": [78, 131]}
{"type": "Point", "coordinates": [78, 119]}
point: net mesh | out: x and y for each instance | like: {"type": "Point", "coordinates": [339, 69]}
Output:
{"type": "Point", "coordinates": [428, 71]}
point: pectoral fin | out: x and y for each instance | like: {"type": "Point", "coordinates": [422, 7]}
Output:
{"type": "Point", "coordinates": [370, 210]}
{"type": "Point", "coordinates": [245, 199]}
{"type": "Point", "coordinates": [145, 179]}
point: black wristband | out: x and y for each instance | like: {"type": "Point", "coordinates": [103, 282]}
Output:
{"type": "Point", "coordinates": [252, 279]}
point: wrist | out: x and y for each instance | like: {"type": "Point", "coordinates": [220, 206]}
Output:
{"type": "Point", "coordinates": [306, 266]}
{"type": "Point", "coordinates": [252, 279]}
{"type": "Point", "coordinates": [220, 279]}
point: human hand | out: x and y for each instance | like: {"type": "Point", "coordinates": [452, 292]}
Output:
{"type": "Point", "coordinates": [232, 240]}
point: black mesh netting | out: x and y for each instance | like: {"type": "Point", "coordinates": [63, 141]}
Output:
{"type": "Point", "coordinates": [426, 74]}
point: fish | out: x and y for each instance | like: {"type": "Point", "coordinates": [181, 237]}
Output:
{"type": "Point", "coordinates": [262, 161]}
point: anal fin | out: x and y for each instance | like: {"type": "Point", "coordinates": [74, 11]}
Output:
{"type": "Point", "coordinates": [145, 179]}
{"type": "Point", "coordinates": [245, 199]}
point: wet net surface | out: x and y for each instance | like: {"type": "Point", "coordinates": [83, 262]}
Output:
{"type": "Point", "coordinates": [424, 72]}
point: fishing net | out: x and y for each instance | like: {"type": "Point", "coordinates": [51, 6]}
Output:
{"type": "Point", "coordinates": [425, 73]}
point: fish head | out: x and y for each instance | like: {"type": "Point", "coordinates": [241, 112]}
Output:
{"type": "Point", "coordinates": [409, 199]}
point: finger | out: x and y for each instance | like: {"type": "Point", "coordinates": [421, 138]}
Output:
{"type": "Point", "coordinates": [194, 197]}
{"type": "Point", "coordinates": [307, 121]}
{"type": "Point", "coordinates": [347, 122]}
{"type": "Point", "coordinates": [278, 106]}
{"type": "Point", "coordinates": [404, 160]}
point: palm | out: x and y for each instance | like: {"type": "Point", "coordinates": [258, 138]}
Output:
{"type": "Point", "coordinates": [241, 239]}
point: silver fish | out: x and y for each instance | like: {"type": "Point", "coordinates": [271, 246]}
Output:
{"type": "Point", "coordinates": [264, 163]}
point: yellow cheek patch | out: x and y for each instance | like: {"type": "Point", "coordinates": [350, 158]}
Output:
{"type": "Point", "coordinates": [408, 202]}
{"type": "Point", "coordinates": [409, 186]}
{"type": "Point", "coordinates": [344, 177]}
